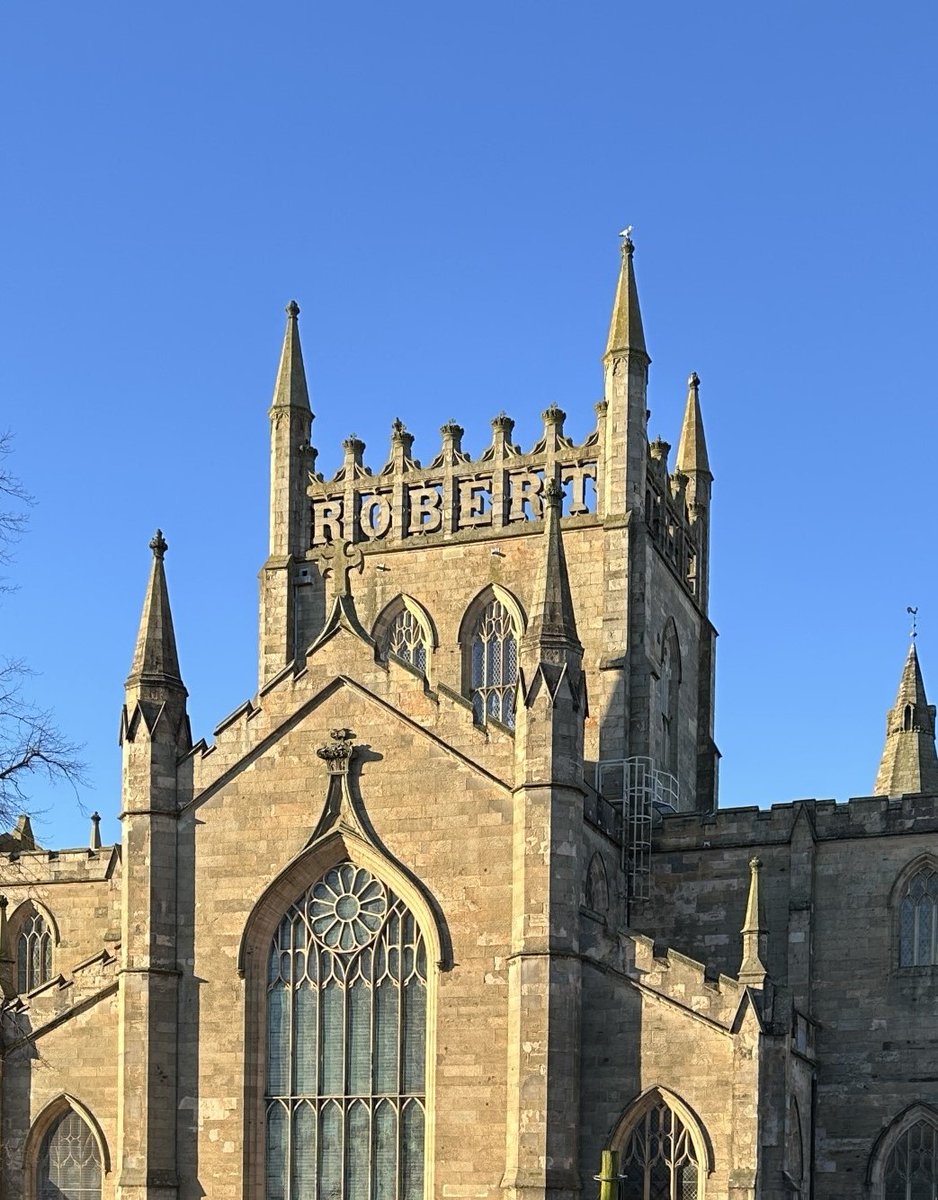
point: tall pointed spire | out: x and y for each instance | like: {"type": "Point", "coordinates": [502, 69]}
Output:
{"type": "Point", "coordinates": [752, 969]}
{"type": "Point", "coordinates": [692, 448]}
{"type": "Point", "coordinates": [290, 390]}
{"type": "Point", "coordinates": [909, 762]}
{"type": "Point", "coordinates": [155, 659]}
{"type": "Point", "coordinates": [552, 626]}
{"type": "Point", "coordinates": [625, 328]}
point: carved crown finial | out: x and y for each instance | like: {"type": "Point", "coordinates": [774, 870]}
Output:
{"type": "Point", "coordinates": [553, 415]}
{"type": "Point", "coordinates": [293, 310]}
{"type": "Point", "coordinates": [158, 545]}
{"type": "Point", "coordinates": [337, 754]}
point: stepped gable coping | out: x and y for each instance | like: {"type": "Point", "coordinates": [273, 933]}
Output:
{"type": "Point", "coordinates": [19, 1008]}
{"type": "Point", "coordinates": [268, 737]}
{"type": "Point", "coordinates": [77, 864]}
{"type": "Point", "coordinates": [860, 816]}
{"type": "Point", "coordinates": [722, 994]}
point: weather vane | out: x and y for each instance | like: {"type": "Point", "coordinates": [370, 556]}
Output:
{"type": "Point", "coordinates": [913, 613]}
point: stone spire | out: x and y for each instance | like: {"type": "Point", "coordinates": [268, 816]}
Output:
{"type": "Point", "coordinates": [155, 661]}
{"type": "Point", "coordinates": [290, 390]}
{"type": "Point", "coordinates": [909, 762]}
{"type": "Point", "coordinates": [551, 635]}
{"type": "Point", "coordinates": [752, 969]}
{"type": "Point", "coordinates": [692, 448]}
{"type": "Point", "coordinates": [625, 330]}
{"type": "Point", "coordinates": [285, 624]}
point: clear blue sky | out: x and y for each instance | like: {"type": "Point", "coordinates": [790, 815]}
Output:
{"type": "Point", "coordinates": [440, 186]}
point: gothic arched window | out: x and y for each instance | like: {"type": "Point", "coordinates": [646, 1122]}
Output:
{"type": "Point", "coordinates": [918, 919]}
{"type": "Point", "coordinates": [662, 1156]}
{"type": "Point", "coordinates": [33, 952]}
{"type": "Point", "coordinates": [490, 633]}
{"type": "Point", "coordinates": [346, 1045]}
{"type": "Point", "coordinates": [69, 1162]}
{"type": "Point", "coordinates": [405, 631]}
{"type": "Point", "coordinates": [911, 1166]}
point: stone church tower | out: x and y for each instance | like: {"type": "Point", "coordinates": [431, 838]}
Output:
{"type": "Point", "coordinates": [447, 908]}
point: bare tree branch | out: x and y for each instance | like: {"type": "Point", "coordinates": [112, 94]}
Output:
{"type": "Point", "coordinates": [31, 745]}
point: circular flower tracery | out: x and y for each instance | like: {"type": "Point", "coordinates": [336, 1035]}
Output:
{"type": "Point", "coordinates": [347, 907]}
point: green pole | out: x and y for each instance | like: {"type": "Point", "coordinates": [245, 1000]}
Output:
{"type": "Point", "coordinates": [609, 1175]}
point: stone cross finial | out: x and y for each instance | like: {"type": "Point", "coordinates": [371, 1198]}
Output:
{"type": "Point", "coordinates": [158, 545]}
{"type": "Point", "coordinates": [342, 558]}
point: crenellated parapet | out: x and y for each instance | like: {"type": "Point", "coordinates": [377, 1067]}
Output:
{"type": "Point", "coordinates": [500, 489]}
{"type": "Point", "coordinates": [862, 816]}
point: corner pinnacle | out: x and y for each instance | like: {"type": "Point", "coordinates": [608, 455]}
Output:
{"type": "Point", "coordinates": [625, 328]}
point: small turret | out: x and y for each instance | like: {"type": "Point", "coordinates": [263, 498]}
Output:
{"type": "Point", "coordinates": [909, 762]}
{"type": "Point", "coordinates": [693, 462]}
{"type": "Point", "coordinates": [291, 461]}
{"type": "Point", "coordinates": [625, 365]}
{"type": "Point", "coordinates": [752, 969]}
{"type": "Point", "coordinates": [155, 666]}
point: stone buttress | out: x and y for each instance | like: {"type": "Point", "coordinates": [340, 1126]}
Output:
{"type": "Point", "coordinates": [154, 734]}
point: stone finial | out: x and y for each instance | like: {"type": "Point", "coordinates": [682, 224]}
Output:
{"type": "Point", "coordinates": [337, 754]}
{"type": "Point", "coordinates": [94, 840]}
{"type": "Point", "coordinates": [23, 832]}
{"type": "Point", "coordinates": [155, 658]}
{"type": "Point", "coordinates": [503, 424]}
{"type": "Point", "coordinates": [692, 457]}
{"type": "Point", "coordinates": [293, 310]}
{"type": "Point", "coordinates": [626, 334]}
{"type": "Point", "coordinates": [354, 448]}
{"type": "Point", "coordinates": [290, 387]}
{"type": "Point", "coordinates": [554, 415]}
{"type": "Point", "coordinates": [659, 450]}
{"type": "Point", "coordinates": [752, 969]}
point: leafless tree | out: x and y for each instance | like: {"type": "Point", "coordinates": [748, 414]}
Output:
{"type": "Point", "coordinates": [30, 742]}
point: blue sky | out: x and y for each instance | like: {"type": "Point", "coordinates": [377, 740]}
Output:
{"type": "Point", "coordinates": [440, 186]}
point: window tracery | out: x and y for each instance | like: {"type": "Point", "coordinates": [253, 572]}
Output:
{"type": "Point", "coordinates": [33, 953]}
{"type": "Point", "coordinates": [918, 919]}
{"type": "Point", "coordinates": [69, 1162]}
{"type": "Point", "coordinates": [406, 640]}
{"type": "Point", "coordinates": [660, 1153]}
{"type": "Point", "coordinates": [405, 631]}
{"type": "Point", "coordinates": [346, 1045]}
{"type": "Point", "coordinates": [494, 665]}
{"type": "Point", "coordinates": [911, 1167]}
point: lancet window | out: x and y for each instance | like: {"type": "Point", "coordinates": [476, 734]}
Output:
{"type": "Point", "coordinates": [346, 1045]}
{"type": "Point", "coordinates": [494, 665]}
{"type": "Point", "coordinates": [33, 953]}
{"type": "Point", "coordinates": [911, 1170]}
{"type": "Point", "coordinates": [69, 1163]}
{"type": "Point", "coordinates": [659, 1160]}
{"type": "Point", "coordinates": [918, 920]}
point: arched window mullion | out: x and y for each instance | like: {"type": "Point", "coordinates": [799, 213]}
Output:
{"type": "Point", "coordinates": [364, 941]}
